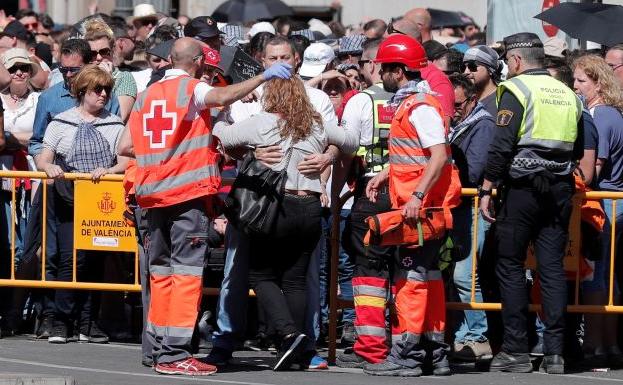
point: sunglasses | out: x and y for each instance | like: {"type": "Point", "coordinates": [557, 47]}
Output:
{"type": "Point", "coordinates": [364, 62]}
{"type": "Point", "coordinates": [100, 88]}
{"type": "Point", "coordinates": [470, 65]}
{"type": "Point", "coordinates": [391, 29]}
{"type": "Point", "coordinates": [34, 25]}
{"type": "Point", "coordinates": [102, 52]}
{"type": "Point", "coordinates": [22, 67]}
{"type": "Point", "coordinates": [66, 70]}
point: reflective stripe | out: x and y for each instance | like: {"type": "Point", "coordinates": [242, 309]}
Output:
{"type": "Point", "coordinates": [196, 271]}
{"type": "Point", "coordinates": [178, 180]}
{"type": "Point", "coordinates": [405, 142]}
{"type": "Point", "coordinates": [408, 159]}
{"type": "Point", "coordinates": [408, 337]}
{"type": "Point", "coordinates": [365, 330]}
{"type": "Point", "coordinates": [187, 145]}
{"type": "Point", "coordinates": [169, 331]}
{"type": "Point", "coordinates": [431, 275]}
{"type": "Point", "coordinates": [183, 98]}
{"type": "Point", "coordinates": [369, 290]}
{"type": "Point", "coordinates": [396, 338]}
{"type": "Point", "coordinates": [368, 300]}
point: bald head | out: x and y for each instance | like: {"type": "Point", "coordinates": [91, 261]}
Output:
{"type": "Point", "coordinates": [421, 18]}
{"type": "Point", "coordinates": [406, 27]}
{"type": "Point", "coordinates": [184, 53]}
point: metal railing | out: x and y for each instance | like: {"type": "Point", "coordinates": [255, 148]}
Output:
{"type": "Point", "coordinates": [334, 302]}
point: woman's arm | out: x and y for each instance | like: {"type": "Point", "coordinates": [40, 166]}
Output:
{"type": "Point", "coordinates": [125, 106]}
{"type": "Point", "coordinates": [244, 133]}
{"type": "Point", "coordinates": [45, 163]}
{"type": "Point", "coordinates": [119, 168]}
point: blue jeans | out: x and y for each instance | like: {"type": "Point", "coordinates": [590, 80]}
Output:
{"type": "Point", "coordinates": [232, 304]}
{"type": "Point", "coordinates": [345, 270]}
{"type": "Point", "coordinates": [474, 324]}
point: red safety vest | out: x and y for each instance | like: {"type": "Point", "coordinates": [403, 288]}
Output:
{"type": "Point", "coordinates": [408, 159]}
{"type": "Point", "coordinates": [176, 158]}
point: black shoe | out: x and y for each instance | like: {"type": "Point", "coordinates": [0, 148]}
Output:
{"type": "Point", "coordinates": [387, 368]}
{"type": "Point", "coordinates": [348, 334]}
{"type": "Point", "coordinates": [147, 361]}
{"type": "Point", "coordinates": [511, 362]}
{"type": "Point", "coordinates": [553, 364]}
{"type": "Point", "coordinates": [350, 359]}
{"type": "Point", "coordinates": [58, 335]}
{"type": "Point", "coordinates": [292, 347]}
{"type": "Point", "coordinates": [218, 356]}
{"type": "Point", "coordinates": [93, 334]}
{"type": "Point", "coordinates": [260, 343]}
{"type": "Point", "coordinates": [45, 328]}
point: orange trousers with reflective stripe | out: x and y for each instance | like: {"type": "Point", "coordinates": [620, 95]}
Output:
{"type": "Point", "coordinates": [177, 247]}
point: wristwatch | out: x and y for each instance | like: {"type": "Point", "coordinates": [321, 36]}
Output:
{"type": "Point", "coordinates": [419, 195]}
{"type": "Point", "coordinates": [482, 192]}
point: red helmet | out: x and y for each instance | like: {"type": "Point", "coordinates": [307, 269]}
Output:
{"type": "Point", "coordinates": [402, 49]}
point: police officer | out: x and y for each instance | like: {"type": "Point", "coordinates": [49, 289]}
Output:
{"type": "Point", "coordinates": [537, 143]}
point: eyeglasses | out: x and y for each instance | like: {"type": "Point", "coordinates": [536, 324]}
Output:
{"type": "Point", "coordinates": [22, 67]}
{"type": "Point", "coordinates": [100, 88]}
{"type": "Point", "coordinates": [458, 105]}
{"type": "Point", "coordinates": [470, 65]}
{"type": "Point", "coordinates": [66, 70]}
{"type": "Point", "coordinates": [615, 66]}
{"type": "Point", "coordinates": [391, 29]}
{"type": "Point", "coordinates": [200, 56]}
{"type": "Point", "coordinates": [364, 62]}
{"type": "Point", "coordinates": [30, 26]}
{"type": "Point", "coordinates": [102, 52]}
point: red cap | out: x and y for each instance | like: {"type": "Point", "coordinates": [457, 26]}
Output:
{"type": "Point", "coordinates": [211, 57]}
{"type": "Point", "coordinates": [402, 49]}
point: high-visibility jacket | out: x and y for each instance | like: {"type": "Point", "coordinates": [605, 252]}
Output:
{"type": "Point", "coordinates": [408, 159]}
{"type": "Point", "coordinates": [549, 125]}
{"type": "Point", "coordinates": [177, 158]}
{"type": "Point", "coordinates": [376, 154]}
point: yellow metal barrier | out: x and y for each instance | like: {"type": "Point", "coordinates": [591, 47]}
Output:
{"type": "Point", "coordinates": [334, 302]}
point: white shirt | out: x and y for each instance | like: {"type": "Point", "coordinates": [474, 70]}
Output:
{"type": "Point", "coordinates": [141, 78]}
{"type": "Point", "coordinates": [197, 102]}
{"type": "Point", "coordinates": [22, 118]}
{"type": "Point", "coordinates": [429, 125]}
{"type": "Point", "coordinates": [358, 114]}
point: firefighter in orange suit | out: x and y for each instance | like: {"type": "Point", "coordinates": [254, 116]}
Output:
{"type": "Point", "coordinates": [177, 177]}
{"type": "Point", "coordinates": [420, 175]}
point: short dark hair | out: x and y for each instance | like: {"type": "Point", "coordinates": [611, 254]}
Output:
{"type": "Point", "coordinates": [533, 56]}
{"type": "Point", "coordinates": [46, 21]}
{"type": "Point", "coordinates": [300, 43]}
{"type": "Point", "coordinates": [258, 42]}
{"type": "Point", "coordinates": [410, 75]}
{"type": "Point", "coordinates": [25, 13]}
{"type": "Point", "coordinates": [461, 80]}
{"type": "Point", "coordinates": [77, 47]}
{"type": "Point", "coordinates": [372, 43]}
{"type": "Point", "coordinates": [279, 40]}
{"type": "Point", "coordinates": [562, 70]}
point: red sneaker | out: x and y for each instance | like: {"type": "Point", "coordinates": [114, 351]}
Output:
{"type": "Point", "coordinates": [188, 366]}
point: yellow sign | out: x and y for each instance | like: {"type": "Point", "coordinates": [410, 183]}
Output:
{"type": "Point", "coordinates": [98, 217]}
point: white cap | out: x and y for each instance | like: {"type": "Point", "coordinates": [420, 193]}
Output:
{"type": "Point", "coordinates": [316, 25]}
{"type": "Point", "coordinates": [262, 26]}
{"type": "Point", "coordinates": [315, 59]}
{"type": "Point", "coordinates": [142, 10]}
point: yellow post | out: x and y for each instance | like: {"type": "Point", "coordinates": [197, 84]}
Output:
{"type": "Point", "coordinates": [44, 225]}
{"type": "Point", "coordinates": [474, 247]}
{"type": "Point", "coordinates": [612, 244]}
{"type": "Point", "coordinates": [12, 226]}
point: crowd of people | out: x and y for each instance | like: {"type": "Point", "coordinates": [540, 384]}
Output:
{"type": "Point", "coordinates": [397, 113]}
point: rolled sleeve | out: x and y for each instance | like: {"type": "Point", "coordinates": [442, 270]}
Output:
{"type": "Point", "coordinates": [429, 125]}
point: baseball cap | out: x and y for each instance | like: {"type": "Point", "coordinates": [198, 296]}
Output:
{"type": "Point", "coordinates": [162, 50]}
{"type": "Point", "coordinates": [316, 25]}
{"type": "Point", "coordinates": [202, 27]}
{"type": "Point", "coordinates": [555, 47]}
{"type": "Point", "coordinates": [212, 58]}
{"type": "Point", "coordinates": [262, 26]}
{"type": "Point", "coordinates": [315, 59]}
{"type": "Point", "coordinates": [15, 56]}
{"type": "Point", "coordinates": [15, 29]}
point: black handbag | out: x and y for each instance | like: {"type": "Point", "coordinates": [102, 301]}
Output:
{"type": "Point", "coordinates": [254, 200]}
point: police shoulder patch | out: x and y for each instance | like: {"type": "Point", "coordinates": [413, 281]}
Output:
{"type": "Point", "coordinates": [504, 117]}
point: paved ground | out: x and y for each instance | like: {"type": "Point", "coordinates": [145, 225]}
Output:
{"type": "Point", "coordinates": [119, 364]}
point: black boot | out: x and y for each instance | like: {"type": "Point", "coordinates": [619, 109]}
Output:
{"type": "Point", "coordinates": [511, 362]}
{"type": "Point", "coordinates": [553, 364]}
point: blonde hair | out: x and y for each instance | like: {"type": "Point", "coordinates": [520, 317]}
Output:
{"type": "Point", "coordinates": [90, 77]}
{"type": "Point", "coordinates": [596, 68]}
{"type": "Point", "coordinates": [97, 29]}
{"type": "Point", "coordinates": [288, 98]}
